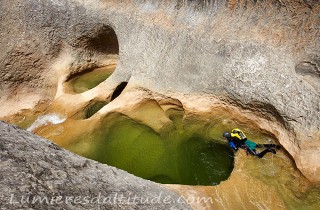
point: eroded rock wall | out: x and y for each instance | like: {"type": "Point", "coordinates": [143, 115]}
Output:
{"type": "Point", "coordinates": [40, 40]}
{"type": "Point", "coordinates": [248, 54]}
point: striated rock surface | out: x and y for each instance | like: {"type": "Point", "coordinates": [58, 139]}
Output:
{"type": "Point", "coordinates": [37, 174]}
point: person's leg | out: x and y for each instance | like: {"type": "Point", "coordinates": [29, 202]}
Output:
{"type": "Point", "coordinates": [261, 154]}
{"type": "Point", "coordinates": [272, 146]}
{"type": "Point", "coordinates": [253, 152]}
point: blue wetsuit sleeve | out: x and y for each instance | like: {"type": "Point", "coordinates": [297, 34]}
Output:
{"type": "Point", "coordinates": [232, 145]}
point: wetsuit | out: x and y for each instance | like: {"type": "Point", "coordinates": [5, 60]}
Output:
{"type": "Point", "coordinates": [251, 146]}
{"type": "Point", "coordinates": [239, 140]}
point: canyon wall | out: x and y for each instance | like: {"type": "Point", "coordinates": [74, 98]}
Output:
{"type": "Point", "coordinates": [262, 56]}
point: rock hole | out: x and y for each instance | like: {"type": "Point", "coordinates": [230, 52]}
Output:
{"type": "Point", "coordinates": [105, 41]}
{"type": "Point", "coordinates": [118, 90]}
{"type": "Point", "coordinates": [94, 108]}
{"type": "Point", "coordinates": [89, 110]}
{"type": "Point", "coordinates": [91, 71]}
{"type": "Point", "coordinates": [310, 73]}
{"type": "Point", "coordinates": [307, 68]}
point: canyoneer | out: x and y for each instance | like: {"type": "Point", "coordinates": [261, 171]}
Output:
{"type": "Point", "coordinates": [237, 139]}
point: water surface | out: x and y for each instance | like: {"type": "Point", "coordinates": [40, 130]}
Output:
{"type": "Point", "coordinates": [175, 156]}
{"type": "Point", "coordinates": [88, 80]}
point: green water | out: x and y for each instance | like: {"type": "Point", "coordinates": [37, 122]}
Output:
{"type": "Point", "coordinates": [89, 80]}
{"type": "Point", "coordinates": [89, 110]}
{"type": "Point", "coordinates": [94, 108]}
{"type": "Point", "coordinates": [176, 155]}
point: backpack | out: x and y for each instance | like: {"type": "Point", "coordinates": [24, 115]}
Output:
{"type": "Point", "coordinates": [238, 134]}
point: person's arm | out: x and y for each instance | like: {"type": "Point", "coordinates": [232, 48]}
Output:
{"type": "Point", "coordinates": [233, 146]}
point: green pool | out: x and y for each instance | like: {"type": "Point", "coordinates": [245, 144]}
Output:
{"type": "Point", "coordinates": [179, 154]}
{"type": "Point", "coordinates": [88, 80]}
